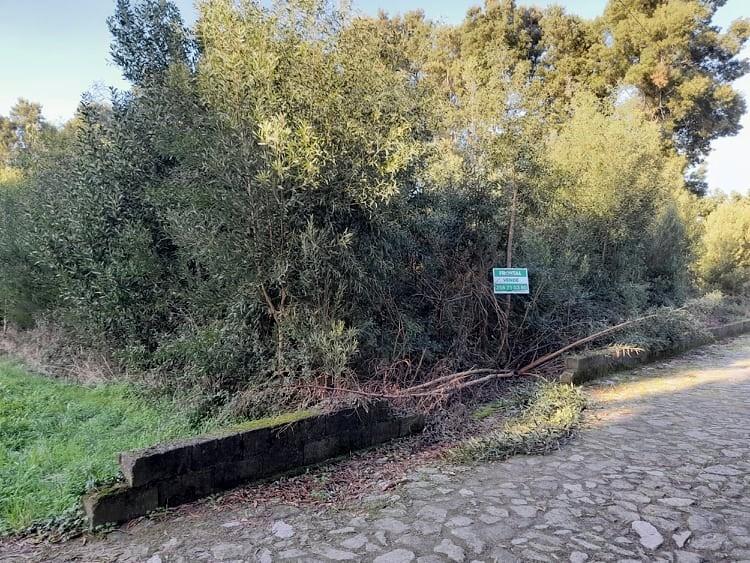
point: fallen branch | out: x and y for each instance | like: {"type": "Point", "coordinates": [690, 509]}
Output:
{"type": "Point", "coordinates": [411, 392]}
{"type": "Point", "coordinates": [551, 356]}
{"type": "Point", "coordinates": [453, 382]}
{"type": "Point", "coordinates": [450, 376]}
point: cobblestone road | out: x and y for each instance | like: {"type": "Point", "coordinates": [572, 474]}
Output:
{"type": "Point", "coordinates": [660, 473]}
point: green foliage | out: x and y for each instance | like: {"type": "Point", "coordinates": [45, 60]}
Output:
{"type": "Point", "coordinates": [292, 194]}
{"type": "Point", "coordinates": [293, 197]}
{"type": "Point", "coordinates": [715, 308]}
{"type": "Point", "coordinates": [553, 413]}
{"type": "Point", "coordinates": [669, 255]}
{"type": "Point", "coordinates": [724, 262]}
{"type": "Point", "coordinates": [22, 292]}
{"type": "Point", "coordinates": [669, 329]}
{"type": "Point", "coordinates": [148, 37]}
{"type": "Point", "coordinates": [667, 54]}
{"type": "Point", "coordinates": [296, 152]}
{"type": "Point", "coordinates": [57, 439]}
{"type": "Point", "coordinates": [511, 403]}
{"type": "Point", "coordinates": [94, 235]}
{"type": "Point", "coordinates": [21, 131]}
{"type": "Point", "coordinates": [680, 64]}
{"type": "Point", "coordinates": [616, 181]}
{"type": "Point", "coordinates": [7, 139]}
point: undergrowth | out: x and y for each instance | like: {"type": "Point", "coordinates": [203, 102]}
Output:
{"type": "Point", "coordinates": [550, 416]}
{"type": "Point", "coordinates": [671, 328]}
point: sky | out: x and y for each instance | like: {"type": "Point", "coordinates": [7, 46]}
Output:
{"type": "Point", "coordinates": [51, 51]}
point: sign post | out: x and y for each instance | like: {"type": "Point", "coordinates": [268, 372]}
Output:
{"type": "Point", "coordinates": [507, 281]}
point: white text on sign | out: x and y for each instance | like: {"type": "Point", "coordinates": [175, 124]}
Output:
{"type": "Point", "coordinates": [510, 280]}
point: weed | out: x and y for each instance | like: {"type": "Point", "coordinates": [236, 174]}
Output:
{"type": "Point", "coordinates": [516, 398]}
{"type": "Point", "coordinates": [551, 415]}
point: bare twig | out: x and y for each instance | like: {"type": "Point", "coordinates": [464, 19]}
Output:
{"type": "Point", "coordinates": [449, 377]}
{"type": "Point", "coordinates": [442, 387]}
{"type": "Point", "coordinates": [551, 356]}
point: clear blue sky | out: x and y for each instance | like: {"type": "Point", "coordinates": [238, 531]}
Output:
{"type": "Point", "coordinates": [53, 50]}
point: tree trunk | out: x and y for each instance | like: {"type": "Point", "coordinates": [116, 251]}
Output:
{"type": "Point", "coordinates": [509, 257]}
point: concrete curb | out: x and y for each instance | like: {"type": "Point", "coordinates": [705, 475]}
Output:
{"type": "Point", "coordinates": [174, 473]}
{"type": "Point", "coordinates": [596, 363]}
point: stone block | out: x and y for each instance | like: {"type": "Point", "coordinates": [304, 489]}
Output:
{"type": "Point", "coordinates": [185, 487]}
{"type": "Point", "coordinates": [342, 421]}
{"type": "Point", "coordinates": [313, 428]}
{"type": "Point", "coordinates": [292, 434]}
{"type": "Point", "coordinates": [219, 449]}
{"type": "Point", "coordinates": [255, 442]}
{"type": "Point", "coordinates": [119, 503]}
{"type": "Point", "coordinates": [153, 464]}
{"type": "Point", "coordinates": [324, 448]}
{"type": "Point", "coordinates": [280, 457]}
{"type": "Point", "coordinates": [170, 474]}
{"type": "Point", "coordinates": [589, 365]}
{"type": "Point", "coordinates": [359, 437]}
{"type": "Point", "coordinates": [385, 430]}
{"type": "Point", "coordinates": [227, 475]}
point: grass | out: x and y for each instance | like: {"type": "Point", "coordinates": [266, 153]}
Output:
{"type": "Point", "coordinates": [515, 399]}
{"type": "Point", "coordinates": [57, 439]}
{"type": "Point", "coordinates": [551, 415]}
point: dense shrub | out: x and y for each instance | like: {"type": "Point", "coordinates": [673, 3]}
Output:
{"type": "Point", "coordinates": [725, 254]}
{"type": "Point", "coordinates": [22, 287]}
{"type": "Point", "coordinates": [293, 197]}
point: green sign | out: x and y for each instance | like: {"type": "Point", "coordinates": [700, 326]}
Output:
{"type": "Point", "coordinates": [510, 280]}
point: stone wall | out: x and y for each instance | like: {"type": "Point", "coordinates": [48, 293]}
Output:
{"type": "Point", "coordinates": [178, 472]}
{"type": "Point", "coordinates": [595, 363]}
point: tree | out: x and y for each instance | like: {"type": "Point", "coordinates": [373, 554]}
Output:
{"type": "Point", "coordinates": [724, 262]}
{"type": "Point", "coordinates": [147, 38]}
{"type": "Point", "coordinates": [666, 51]}
{"type": "Point", "coordinates": [21, 134]}
{"type": "Point", "coordinates": [616, 180]}
{"type": "Point", "coordinates": [8, 139]}
{"type": "Point", "coordinates": [28, 120]}
{"type": "Point", "coordinates": [679, 62]}
{"type": "Point", "coordinates": [291, 196]}
{"type": "Point", "coordinates": [23, 127]}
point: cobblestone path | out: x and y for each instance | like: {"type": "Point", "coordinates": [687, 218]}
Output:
{"type": "Point", "coordinates": [660, 473]}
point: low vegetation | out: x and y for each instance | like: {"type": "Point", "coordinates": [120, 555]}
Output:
{"type": "Point", "coordinates": [57, 439]}
{"type": "Point", "coordinates": [670, 328]}
{"type": "Point", "coordinates": [548, 414]}
{"type": "Point", "coordinates": [724, 261]}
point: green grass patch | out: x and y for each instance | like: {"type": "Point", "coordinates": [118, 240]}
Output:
{"type": "Point", "coordinates": [551, 415]}
{"type": "Point", "coordinates": [57, 439]}
{"type": "Point", "coordinates": [489, 409]}
{"type": "Point", "coordinates": [513, 400]}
